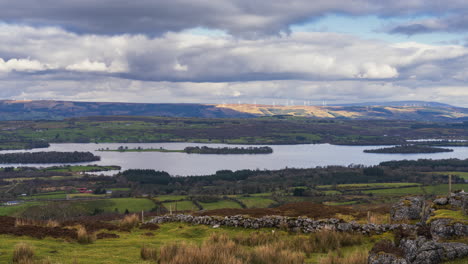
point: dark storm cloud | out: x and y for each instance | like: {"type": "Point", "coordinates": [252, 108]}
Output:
{"type": "Point", "coordinates": [238, 17]}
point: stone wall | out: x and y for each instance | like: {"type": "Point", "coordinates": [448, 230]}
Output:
{"type": "Point", "coordinates": [303, 224]}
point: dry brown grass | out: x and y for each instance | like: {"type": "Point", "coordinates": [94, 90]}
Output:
{"type": "Point", "coordinates": [357, 257]}
{"type": "Point", "coordinates": [374, 218]}
{"type": "Point", "coordinates": [260, 248]}
{"type": "Point", "coordinates": [130, 221]}
{"type": "Point", "coordinates": [219, 248]}
{"type": "Point", "coordinates": [149, 253]}
{"type": "Point", "coordinates": [276, 253]}
{"type": "Point", "coordinates": [85, 237]}
{"type": "Point", "coordinates": [23, 253]}
{"type": "Point", "coordinates": [32, 222]}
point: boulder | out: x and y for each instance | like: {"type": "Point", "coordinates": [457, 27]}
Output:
{"type": "Point", "coordinates": [441, 201]}
{"type": "Point", "coordinates": [409, 208]}
{"type": "Point", "coordinates": [385, 258]}
{"type": "Point", "coordinates": [446, 228]}
{"type": "Point", "coordinates": [426, 251]}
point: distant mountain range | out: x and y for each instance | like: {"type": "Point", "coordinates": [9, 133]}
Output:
{"type": "Point", "coordinates": [56, 110]}
{"type": "Point", "coordinates": [399, 103]}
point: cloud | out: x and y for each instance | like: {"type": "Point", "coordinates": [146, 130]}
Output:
{"type": "Point", "coordinates": [453, 23]}
{"type": "Point", "coordinates": [237, 17]}
{"type": "Point", "coordinates": [184, 57]}
{"type": "Point", "coordinates": [21, 65]}
{"type": "Point", "coordinates": [49, 62]}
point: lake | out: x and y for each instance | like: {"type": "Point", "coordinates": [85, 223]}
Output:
{"type": "Point", "coordinates": [291, 156]}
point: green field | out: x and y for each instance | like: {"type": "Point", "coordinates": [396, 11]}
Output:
{"type": "Point", "coordinates": [220, 205]}
{"type": "Point", "coordinates": [122, 204]}
{"type": "Point", "coordinates": [256, 202]}
{"type": "Point", "coordinates": [45, 196]}
{"type": "Point", "coordinates": [164, 198]}
{"type": "Point", "coordinates": [461, 174]}
{"type": "Point", "coordinates": [181, 206]}
{"type": "Point", "coordinates": [369, 185]}
{"type": "Point", "coordinates": [433, 189]}
{"type": "Point", "coordinates": [15, 210]}
{"type": "Point", "coordinates": [126, 249]}
{"type": "Point", "coordinates": [86, 195]}
{"type": "Point", "coordinates": [118, 189]}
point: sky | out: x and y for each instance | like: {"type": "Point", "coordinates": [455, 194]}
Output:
{"type": "Point", "coordinates": [231, 51]}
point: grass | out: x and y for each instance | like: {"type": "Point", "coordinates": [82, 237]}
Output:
{"type": "Point", "coordinates": [118, 189]}
{"type": "Point", "coordinates": [432, 189]}
{"type": "Point", "coordinates": [256, 202]}
{"type": "Point", "coordinates": [133, 205]}
{"type": "Point", "coordinates": [45, 196]}
{"type": "Point", "coordinates": [15, 210]}
{"type": "Point", "coordinates": [461, 174]}
{"type": "Point", "coordinates": [222, 204]}
{"type": "Point", "coordinates": [130, 221]}
{"type": "Point", "coordinates": [23, 253]}
{"type": "Point", "coordinates": [85, 237]}
{"type": "Point", "coordinates": [127, 248]}
{"type": "Point", "coordinates": [164, 198]}
{"type": "Point", "coordinates": [86, 195]}
{"type": "Point", "coordinates": [457, 216]}
{"type": "Point", "coordinates": [181, 206]}
{"type": "Point", "coordinates": [370, 185]}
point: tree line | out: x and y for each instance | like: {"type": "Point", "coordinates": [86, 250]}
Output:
{"type": "Point", "coordinates": [408, 149]}
{"type": "Point", "coordinates": [227, 182]}
{"type": "Point", "coordinates": [48, 157]}
{"type": "Point", "coordinates": [228, 150]}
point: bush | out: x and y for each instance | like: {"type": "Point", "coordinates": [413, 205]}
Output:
{"type": "Point", "coordinates": [23, 253]}
{"type": "Point", "coordinates": [129, 221]}
{"type": "Point", "coordinates": [387, 246]}
{"type": "Point", "coordinates": [357, 257]}
{"type": "Point", "coordinates": [148, 253]}
{"type": "Point", "coordinates": [85, 237]}
{"type": "Point", "coordinates": [32, 222]}
{"type": "Point", "coordinates": [276, 253]}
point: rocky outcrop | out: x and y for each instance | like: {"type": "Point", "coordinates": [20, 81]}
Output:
{"type": "Point", "coordinates": [302, 224]}
{"type": "Point", "coordinates": [459, 200]}
{"type": "Point", "coordinates": [427, 251]}
{"type": "Point", "coordinates": [446, 228]}
{"type": "Point", "coordinates": [385, 258]}
{"type": "Point", "coordinates": [409, 208]}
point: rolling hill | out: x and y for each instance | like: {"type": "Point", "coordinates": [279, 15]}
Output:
{"type": "Point", "coordinates": [56, 110]}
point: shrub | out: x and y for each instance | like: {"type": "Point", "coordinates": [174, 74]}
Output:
{"type": "Point", "coordinates": [357, 257]}
{"type": "Point", "coordinates": [387, 246]}
{"type": "Point", "coordinates": [85, 237]}
{"type": "Point", "coordinates": [23, 253]}
{"type": "Point", "coordinates": [148, 253]}
{"type": "Point", "coordinates": [275, 253]}
{"type": "Point", "coordinates": [130, 221]}
{"type": "Point", "coordinates": [32, 222]}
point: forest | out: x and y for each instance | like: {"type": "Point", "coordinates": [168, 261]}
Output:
{"type": "Point", "coordinates": [408, 149]}
{"type": "Point", "coordinates": [260, 131]}
{"type": "Point", "coordinates": [228, 182]}
{"type": "Point", "coordinates": [48, 157]}
{"type": "Point", "coordinates": [227, 150]}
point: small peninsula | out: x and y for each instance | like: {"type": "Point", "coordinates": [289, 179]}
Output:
{"type": "Point", "coordinates": [408, 149]}
{"type": "Point", "coordinates": [199, 150]}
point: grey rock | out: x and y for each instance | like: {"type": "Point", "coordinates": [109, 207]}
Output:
{"type": "Point", "coordinates": [426, 251]}
{"type": "Point", "coordinates": [409, 208]}
{"type": "Point", "coordinates": [385, 258]}
{"type": "Point", "coordinates": [441, 201]}
{"type": "Point", "coordinates": [445, 228]}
